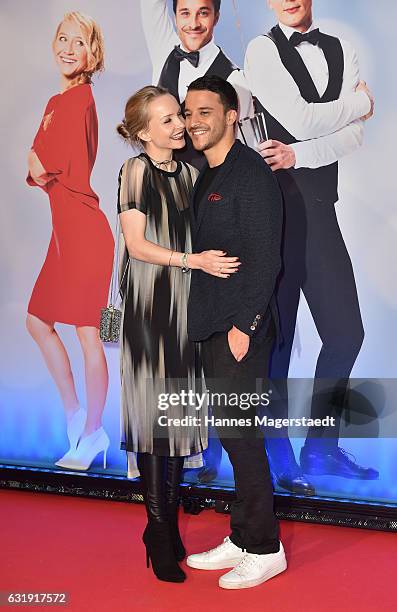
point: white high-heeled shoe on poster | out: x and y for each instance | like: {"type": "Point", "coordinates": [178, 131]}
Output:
{"type": "Point", "coordinates": [87, 449]}
{"type": "Point", "coordinates": [75, 427]}
{"type": "Point", "coordinates": [74, 430]}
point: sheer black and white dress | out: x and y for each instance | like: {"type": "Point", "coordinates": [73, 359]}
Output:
{"type": "Point", "coordinates": [157, 358]}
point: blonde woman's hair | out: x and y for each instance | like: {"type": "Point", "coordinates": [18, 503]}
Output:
{"type": "Point", "coordinates": [93, 42]}
{"type": "Point", "coordinates": [136, 114]}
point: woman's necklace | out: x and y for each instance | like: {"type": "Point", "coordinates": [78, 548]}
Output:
{"type": "Point", "coordinates": [158, 164]}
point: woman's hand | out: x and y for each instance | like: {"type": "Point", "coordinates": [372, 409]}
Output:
{"type": "Point", "coordinates": [37, 171]}
{"type": "Point", "coordinates": [215, 263]}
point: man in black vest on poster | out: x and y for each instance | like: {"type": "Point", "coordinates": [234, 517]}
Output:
{"type": "Point", "coordinates": [180, 56]}
{"type": "Point", "coordinates": [236, 208]}
{"type": "Point", "coordinates": [307, 84]}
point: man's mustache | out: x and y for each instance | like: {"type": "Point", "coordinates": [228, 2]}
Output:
{"type": "Point", "coordinates": [195, 30]}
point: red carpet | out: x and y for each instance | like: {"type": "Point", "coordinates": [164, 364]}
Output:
{"type": "Point", "coordinates": [92, 549]}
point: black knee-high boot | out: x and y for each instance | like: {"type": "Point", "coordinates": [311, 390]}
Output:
{"type": "Point", "coordinates": [173, 480]}
{"type": "Point", "coordinates": [157, 534]}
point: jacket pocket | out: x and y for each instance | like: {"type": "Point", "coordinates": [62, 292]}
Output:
{"type": "Point", "coordinates": [224, 202]}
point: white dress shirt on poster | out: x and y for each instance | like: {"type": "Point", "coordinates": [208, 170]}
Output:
{"type": "Point", "coordinates": [327, 131]}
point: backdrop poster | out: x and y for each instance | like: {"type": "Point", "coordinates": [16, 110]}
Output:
{"type": "Point", "coordinates": [32, 420]}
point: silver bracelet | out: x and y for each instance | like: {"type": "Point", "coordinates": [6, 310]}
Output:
{"type": "Point", "coordinates": [185, 267]}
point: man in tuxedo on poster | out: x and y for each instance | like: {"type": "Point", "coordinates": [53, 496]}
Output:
{"type": "Point", "coordinates": [180, 55]}
{"type": "Point", "coordinates": [307, 85]}
{"type": "Point", "coordinates": [186, 52]}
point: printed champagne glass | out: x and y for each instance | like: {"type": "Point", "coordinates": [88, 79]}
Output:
{"type": "Point", "coordinates": [253, 130]}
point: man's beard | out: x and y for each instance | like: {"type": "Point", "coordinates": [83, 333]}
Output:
{"type": "Point", "coordinates": [213, 139]}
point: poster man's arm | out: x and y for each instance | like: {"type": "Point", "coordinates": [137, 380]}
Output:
{"type": "Point", "coordinates": [239, 82]}
{"type": "Point", "coordinates": [329, 149]}
{"type": "Point", "coordinates": [159, 32]}
{"type": "Point", "coordinates": [274, 87]}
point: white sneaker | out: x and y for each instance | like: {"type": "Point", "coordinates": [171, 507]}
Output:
{"type": "Point", "coordinates": [254, 569]}
{"type": "Point", "coordinates": [225, 555]}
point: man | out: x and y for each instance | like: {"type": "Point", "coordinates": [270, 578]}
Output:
{"type": "Point", "coordinates": [237, 209]}
{"type": "Point", "coordinates": [179, 57]}
{"type": "Point", "coordinates": [307, 85]}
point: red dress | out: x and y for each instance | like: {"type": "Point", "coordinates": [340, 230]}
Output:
{"type": "Point", "coordinates": [73, 283]}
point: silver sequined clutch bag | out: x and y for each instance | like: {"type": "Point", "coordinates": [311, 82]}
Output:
{"type": "Point", "coordinates": [109, 330]}
{"type": "Point", "coordinates": [110, 322]}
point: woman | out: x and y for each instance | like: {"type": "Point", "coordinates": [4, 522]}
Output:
{"type": "Point", "coordinates": [73, 283]}
{"type": "Point", "coordinates": [156, 356]}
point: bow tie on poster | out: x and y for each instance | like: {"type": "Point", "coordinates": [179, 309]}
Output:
{"type": "Point", "coordinates": [193, 57]}
{"type": "Point", "coordinates": [312, 37]}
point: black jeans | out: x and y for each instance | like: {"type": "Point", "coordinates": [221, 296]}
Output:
{"type": "Point", "coordinates": [254, 526]}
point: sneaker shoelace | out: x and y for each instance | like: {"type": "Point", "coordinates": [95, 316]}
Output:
{"type": "Point", "coordinates": [226, 543]}
{"type": "Point", "coordinates": [245, 564]}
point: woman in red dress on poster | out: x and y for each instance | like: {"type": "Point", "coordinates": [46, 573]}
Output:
{"type": "Point", "coordinates": [74, 280]}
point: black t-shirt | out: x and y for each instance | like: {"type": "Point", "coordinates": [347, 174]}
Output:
{"type": "Point", "coordinates": [206, 180]}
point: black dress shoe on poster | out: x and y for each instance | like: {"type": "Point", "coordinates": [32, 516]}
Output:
{"type": "Point", "coordinates": [295, 482]}
{"type": "Point", "coordinates": [284, 469]}
{"type": "Point", "coordinates": [336, 463]}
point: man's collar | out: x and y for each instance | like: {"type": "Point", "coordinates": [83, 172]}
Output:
{"type": "Point", "coordinates": [233, 151]}
{"type": "Point", "coordinates": [289, 31]}
{"type": "Point", "coordinates": [206, 52]}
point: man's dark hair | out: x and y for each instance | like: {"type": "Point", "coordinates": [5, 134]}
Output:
{"type": "Point", "coordinates": [224, 89]}
{"type": "Point", "coordinates": [216, 3]}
